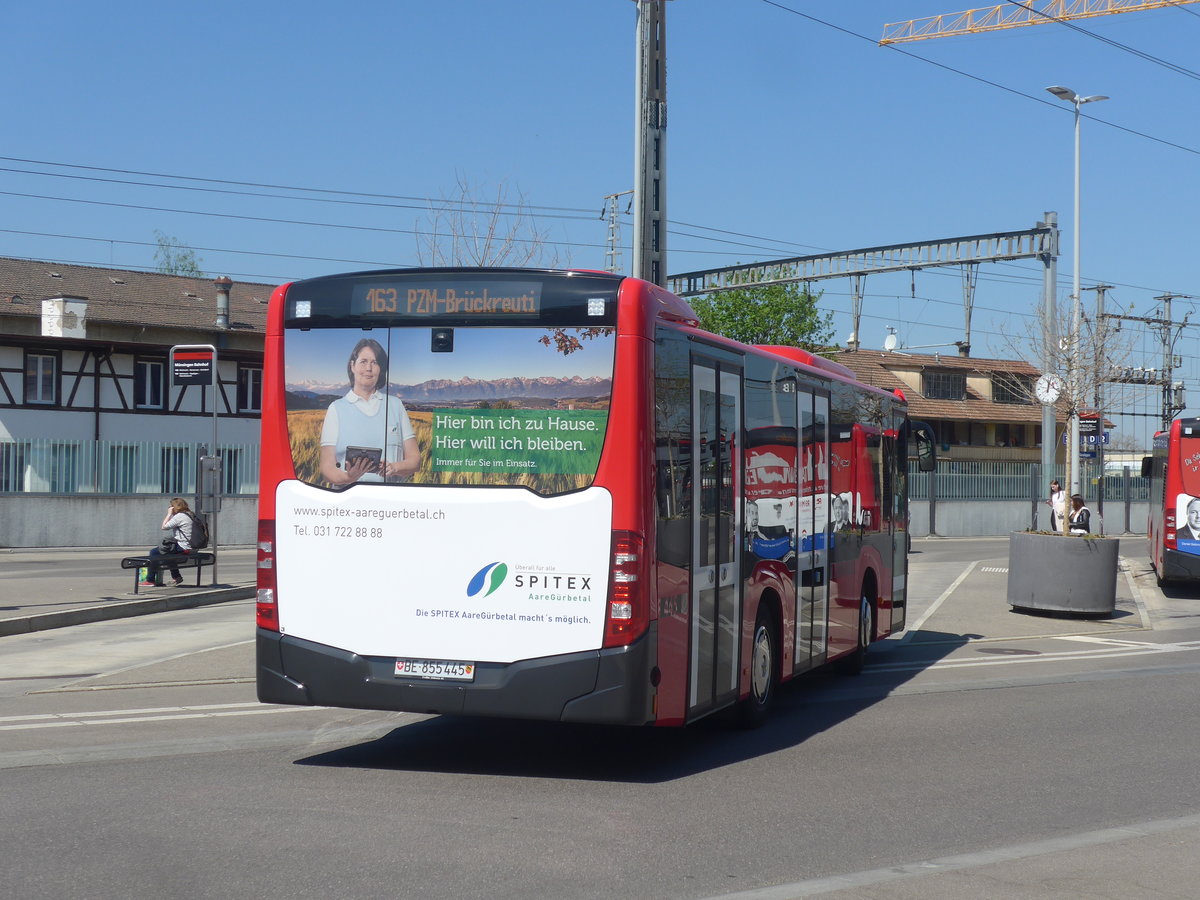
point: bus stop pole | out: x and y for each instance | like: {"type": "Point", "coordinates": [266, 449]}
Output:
{"type": "Point", "coordinates": [216, 486]}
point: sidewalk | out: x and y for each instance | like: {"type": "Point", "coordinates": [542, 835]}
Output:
{"type": "Point", "coordinates": [54, 588]}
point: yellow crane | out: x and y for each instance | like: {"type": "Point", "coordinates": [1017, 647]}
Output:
{"type": "Point", "coordinates": [1013, 15]}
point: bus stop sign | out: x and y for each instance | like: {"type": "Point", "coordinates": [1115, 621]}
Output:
{"type": "Point", "coordinates": [192, 365]}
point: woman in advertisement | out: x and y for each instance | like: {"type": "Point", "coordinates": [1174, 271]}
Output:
{"type": "Point", "coordinates": [367, 436]}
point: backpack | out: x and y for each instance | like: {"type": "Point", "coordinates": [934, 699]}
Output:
{"type": "Point", "coordinates": [199, 532]}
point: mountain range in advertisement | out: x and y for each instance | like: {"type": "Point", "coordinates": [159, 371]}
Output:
{"type": "Point", "coordinates": [444, 392]}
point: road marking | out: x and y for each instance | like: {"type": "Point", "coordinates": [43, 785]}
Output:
{"type": "Point", "coordinates": [933, 607]}
{"type": "Point", "coordinates": [814, 886]}
{"type": "Point", "coordinates": [151, 662]}
{"type": "Point", "coordinates": [149, 714]}
{"type": "Point", "coordinates": [1111, 648]}
{"type": "Point", "coordinates": [995, 570]}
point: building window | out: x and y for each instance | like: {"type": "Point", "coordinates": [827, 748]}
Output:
{"type": "Point", "coordinates": [249, 397]}
{"type": "Point", "coordinates": [175, 469]}
{"type": "Point", "coordinates": [946, 432]}
{"type": "Point", "coordinates": [122, 469]}
{"type": "Point", "coordinates": [1008, 435]}
{"type": "Point", "coordinates": [1011, 389]}
{"type": "Point", "coordinates": [12, 466]}
{"type": "Point", "coordinates": [231, 466]}
{"type": "Point", "coordinates": [149, 377]}
{"type": "Point", "coordinates": [41, 378]}
{"type": "Point", "coordinates": [57, 468]}
{"type": "Point", "coordinates": [944, 385]}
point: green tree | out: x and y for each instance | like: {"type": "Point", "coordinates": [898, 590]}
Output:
{"type": "Point", "coordinates": [175, 258]}
{"type": "Point", "coordinates": [784, 314]}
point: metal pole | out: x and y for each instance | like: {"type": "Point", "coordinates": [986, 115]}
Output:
{"type": "Point", "coordinates": [212, 526]}
{"type": "Point", "coordinates": [650, 144]}
{"type": "Point", "coordinates": [1073, 381]}
{"type": "Point", "coordinates": [933, 500]}
{"type": "Point", "coordinates": [1073, 473]}
{"type": "Point", "coordinates": [1168, 370]}
{"type": "Point", "coordinates": [1101, 370]}
{"type": "Point", "coordinates": [1035, 492]}
{"type": "Point", "coordinates": [1049, 343]}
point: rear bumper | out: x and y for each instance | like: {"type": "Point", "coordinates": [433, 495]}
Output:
{"type": "Point", "coordinates": [1179, 566]}
{"type": "Point", "coordinates": [603, 686]}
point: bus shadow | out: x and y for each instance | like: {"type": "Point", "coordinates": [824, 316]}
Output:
{"type": "Point", "coordinates": [804, 708]}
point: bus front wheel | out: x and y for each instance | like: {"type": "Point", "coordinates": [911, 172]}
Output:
{"type": "Point", "coordinates": [764, 669]}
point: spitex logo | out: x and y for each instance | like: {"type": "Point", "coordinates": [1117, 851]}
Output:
{"type": "Point", "coordinates": [487, 579]}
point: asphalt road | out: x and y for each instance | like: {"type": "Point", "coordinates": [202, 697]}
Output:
{"type": "Point", "coordinates": [982, 754]}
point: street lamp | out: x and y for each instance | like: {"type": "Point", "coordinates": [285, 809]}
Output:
{"type": "Point", "coordinates": [1073, 479]}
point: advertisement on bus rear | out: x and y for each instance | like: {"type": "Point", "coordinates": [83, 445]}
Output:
{"type": "Point", "coordinates": [443, 573]}
{"type": "Point", "coordinates": [519, 406]}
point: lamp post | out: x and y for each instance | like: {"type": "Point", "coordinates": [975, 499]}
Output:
{"type": "Point", "coordinates": [1073, 478]}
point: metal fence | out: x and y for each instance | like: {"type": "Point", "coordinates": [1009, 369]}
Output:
{"type": "Point", "coordinates": [53, 466]}
{"type": "Point", "coordinates": [995, 480]}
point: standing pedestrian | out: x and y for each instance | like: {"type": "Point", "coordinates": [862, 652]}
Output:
{"type": "Point", "coordinates": [1057, 504]}
{"type": "Point", "coordinates": [1081, 516]}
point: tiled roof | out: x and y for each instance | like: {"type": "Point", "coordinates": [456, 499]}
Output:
{"type": "Point", "coordinates": [879, 367]}
{"type": "Point", "coordinates": [122, 296]}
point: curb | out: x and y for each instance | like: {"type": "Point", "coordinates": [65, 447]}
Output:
{"type": "Point", "coordinates": [122, 610]}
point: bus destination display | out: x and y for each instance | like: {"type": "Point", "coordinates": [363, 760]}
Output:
{"type": "Point", "coordinates": [437, 299]}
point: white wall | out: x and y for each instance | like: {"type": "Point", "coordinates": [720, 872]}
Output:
{"type": "Point", "coordinates": [979, 518]}
{"type": "Point", "coordinates": [99, 520]}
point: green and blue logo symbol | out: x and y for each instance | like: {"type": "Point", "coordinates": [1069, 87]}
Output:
{"type": "Point", "coordinates": [487, 579]}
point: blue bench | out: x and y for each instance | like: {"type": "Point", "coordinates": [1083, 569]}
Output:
{"type": "Point", "coordinates": [197, 561]}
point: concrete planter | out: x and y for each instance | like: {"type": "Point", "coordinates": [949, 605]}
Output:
{"type": "Point", "coordinates": [1053, 573]}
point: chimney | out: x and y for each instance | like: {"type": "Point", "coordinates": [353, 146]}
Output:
{"type": "Point", "coordinates": [64, 317]}
{"type": "Point", "coordinates": [223, 284]}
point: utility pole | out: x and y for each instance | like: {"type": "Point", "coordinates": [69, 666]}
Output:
{"type": "Point", "coordinates": [970, 274]}
{"type": "Point", "coordinates": [612, 252]}
{"type": "Point", "coordinates": [1172, 394]}
{"type": "Point", "coordinates": [1100, 367]}
{"type": "Point", "coordinates": [1049, 257]}
{"type": "Point", "coordinates": [1168, 333]}
{"type": "Point", "coordinates": [650, 144]}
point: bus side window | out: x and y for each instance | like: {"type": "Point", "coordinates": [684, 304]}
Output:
{"type": "Point", "coordinates": [1147, 466]}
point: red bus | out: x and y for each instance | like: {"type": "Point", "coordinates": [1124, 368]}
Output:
{"type": "Point", "coordinates": [551, 495]}
{"type": "Point", "coordinates": [1174, 521]}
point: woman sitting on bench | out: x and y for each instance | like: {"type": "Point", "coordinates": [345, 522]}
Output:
{"type": "Point", "coordinates": [179, 520]}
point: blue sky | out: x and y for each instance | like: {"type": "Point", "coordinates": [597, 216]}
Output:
{"type": "Point", "coordinates": [790, 132]}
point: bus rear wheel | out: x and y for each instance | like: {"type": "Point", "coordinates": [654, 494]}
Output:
{"type": "Point", "coordinates": [764, 669]}
{"type": "Point", "coordinates": [854, 663]}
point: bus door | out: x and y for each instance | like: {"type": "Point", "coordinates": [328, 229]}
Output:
{"type": "Point", "coordinates": [716, 608]}
{"type": "Point", "coordinates": [894, 506]}
{"type": "Point", "coordinates": [812, 569]}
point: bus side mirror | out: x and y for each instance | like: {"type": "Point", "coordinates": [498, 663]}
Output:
{"type": "Point", "coordinates": [923, 442]}
{"type": "Point", "coordinates": [1147, 466]}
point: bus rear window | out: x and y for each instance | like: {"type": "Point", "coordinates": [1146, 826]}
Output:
{"type": "Point", "coordinates": [421, 404]}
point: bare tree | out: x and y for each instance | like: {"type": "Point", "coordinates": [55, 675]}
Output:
{"type": "Point", "coordinates": [463, 229]}
{"type": "Point", "coordinates": [1088, 362]}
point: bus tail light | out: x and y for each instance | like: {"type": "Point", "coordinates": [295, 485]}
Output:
{"type": "Point", "coordinates": [1169, 530]}
{"type": "Point", "coordinates": [628, 613]}
{"type": "Point", "coordinates": [266, 610]}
